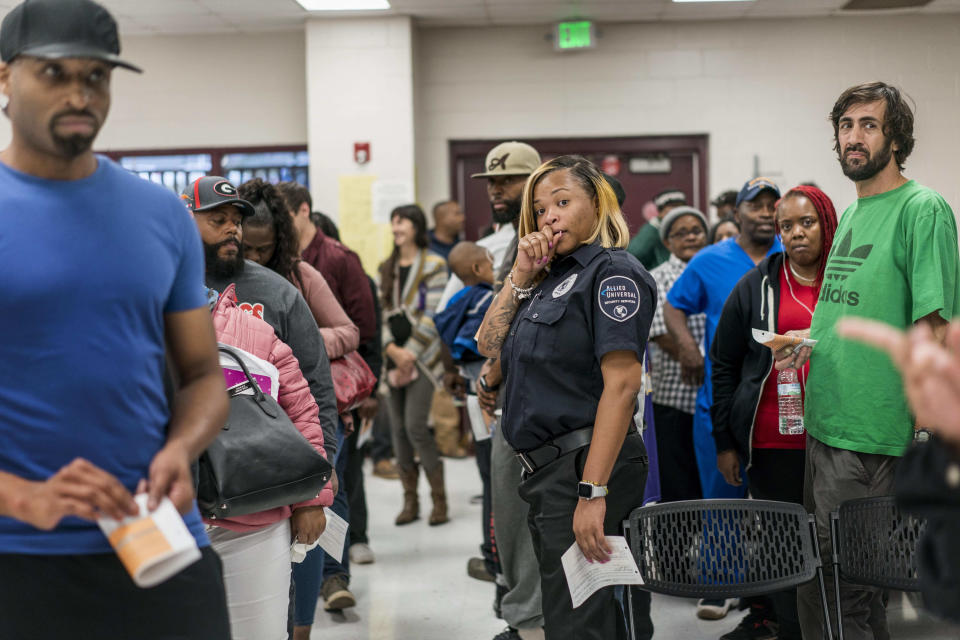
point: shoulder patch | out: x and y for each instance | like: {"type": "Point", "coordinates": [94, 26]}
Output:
{"type": "Point", "coordinates": [618, 297]}
{"type": "Point", "coordinates": [564, 286]}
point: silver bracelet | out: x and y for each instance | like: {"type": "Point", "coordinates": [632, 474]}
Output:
{"type": "Point", "coordinates": [520, 293]}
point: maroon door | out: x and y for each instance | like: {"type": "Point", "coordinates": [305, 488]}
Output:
{"type": "Point", "coordinates": [644, 166]}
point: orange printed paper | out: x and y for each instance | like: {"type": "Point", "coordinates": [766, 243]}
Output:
{"type": "Point", "coordinates": [138, 543]}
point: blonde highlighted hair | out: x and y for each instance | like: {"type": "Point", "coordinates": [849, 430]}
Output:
{"type": "Point", "coordinates": [610, 228]}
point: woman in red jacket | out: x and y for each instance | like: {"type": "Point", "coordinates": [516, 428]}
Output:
{"type": "Point", "coordinates": [778, 296]}
{"type": "Point", "coordinates": [255, 548]}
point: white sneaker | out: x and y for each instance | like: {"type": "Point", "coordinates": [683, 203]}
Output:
{"type": "Point", "coordinates": [715, 609]}
{"type": "Point", "coordinates": [361, 553]}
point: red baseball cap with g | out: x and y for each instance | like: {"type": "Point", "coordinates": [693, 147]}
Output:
{"type": "Point", "coordinates": [210, 192]}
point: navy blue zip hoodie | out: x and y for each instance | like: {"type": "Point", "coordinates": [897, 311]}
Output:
{"type": "Point", "coordinates": [741, 365]}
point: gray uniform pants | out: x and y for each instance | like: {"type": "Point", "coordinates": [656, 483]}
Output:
{"type": "Point", "coordinates": [521, 605]}
{"type": "Point", "coordinates": [833, 476]}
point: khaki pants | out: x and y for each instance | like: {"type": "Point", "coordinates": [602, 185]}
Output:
{"type": "Point", "coordinates": [445, 417]}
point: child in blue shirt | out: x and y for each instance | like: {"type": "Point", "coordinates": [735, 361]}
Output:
{"type": "Point", "coordinates": [459, 322]}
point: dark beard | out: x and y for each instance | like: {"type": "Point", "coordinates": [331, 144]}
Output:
{"type": "Point", "coordinates": [217, 266]}
{"type": "Point", "coordinates": [508, 215]}
{"type": "Point", "coordinates": [75, 145]}
{"type": "Point", "coordinates": [871, 167]}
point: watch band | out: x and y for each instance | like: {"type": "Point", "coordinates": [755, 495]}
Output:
{"type": "Point", "coordinates": [590, 490]}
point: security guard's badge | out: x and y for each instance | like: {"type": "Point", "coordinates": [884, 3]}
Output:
{"type": "Point", "coordinates": [564, 286]}
{"type": "Point", "coordinates": [619, 298]}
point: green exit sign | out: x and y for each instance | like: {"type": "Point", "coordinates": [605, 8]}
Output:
{"type": "Point", "coordinates": [578, 34]}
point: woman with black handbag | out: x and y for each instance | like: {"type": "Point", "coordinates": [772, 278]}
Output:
{"type": "Point", "coordinates": [412, 281]}
{"type": "Point", "coordinates": [270, 239]}
{"type": "Point", "coordinates": [255, 548]}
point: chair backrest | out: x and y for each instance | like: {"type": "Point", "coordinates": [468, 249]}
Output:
{"type": "Point", "coordinates": [723, 548]}
{"type": "Point", "coordinates": [876, 544]}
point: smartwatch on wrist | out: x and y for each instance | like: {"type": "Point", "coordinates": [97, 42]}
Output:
{"type": "Point", "coordinates": [589, 490]}
{"type": "Point", "coordinates": [482, 381]}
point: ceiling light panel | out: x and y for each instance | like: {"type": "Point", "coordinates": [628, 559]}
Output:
{"type": "Point", "coordinates": [344, 5]}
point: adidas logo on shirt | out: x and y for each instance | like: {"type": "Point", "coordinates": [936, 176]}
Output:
{"type": "Point", "coordinates": [844, 260]}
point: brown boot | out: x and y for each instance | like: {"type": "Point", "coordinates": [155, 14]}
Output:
{"type": "Point", "coordinates": [439, 495]}
{"type": "Point", "coordinates": [411, 505]}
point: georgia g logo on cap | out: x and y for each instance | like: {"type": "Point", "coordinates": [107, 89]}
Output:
{"type": "Point", "coordinates": [224, 188]}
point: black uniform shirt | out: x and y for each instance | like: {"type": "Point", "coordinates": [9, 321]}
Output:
{"type": "Point", "coordinates": [593, 301]}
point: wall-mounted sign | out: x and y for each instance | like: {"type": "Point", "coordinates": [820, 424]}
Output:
{"type": "Point", "coordinates": [650, 164]}
{"type": "Point", "coordinates": [576, 34]}
{"type": "Point", "coordinates": [611, 165]}
{"type": "Point", "coordinates": [361, 152]}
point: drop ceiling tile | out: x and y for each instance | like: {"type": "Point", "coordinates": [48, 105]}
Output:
{"type": "Point", "coordinates": [197, 16]}
{"type": "Point", "coordinates": [264, 8]}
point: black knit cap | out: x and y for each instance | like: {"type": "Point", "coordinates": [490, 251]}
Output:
{"type": "Point", "coordinates": [61, 29]}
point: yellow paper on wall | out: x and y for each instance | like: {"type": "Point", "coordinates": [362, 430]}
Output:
{"type": "Point", "coordinates": [370, 240]}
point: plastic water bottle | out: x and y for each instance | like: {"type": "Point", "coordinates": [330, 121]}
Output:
{"type": "Point", "coordinates": [790, 402]}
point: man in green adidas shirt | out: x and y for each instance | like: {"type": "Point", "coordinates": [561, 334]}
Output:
{"type": "Point", "coordinates": [895, 260]}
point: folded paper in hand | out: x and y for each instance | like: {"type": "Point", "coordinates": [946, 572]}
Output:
{"type": "Point", "coordinates": [153, 547]}
{"type": "Point", "coordinates": [584, 578]}
{"type": "Point", "coordinates": [778, 341]}
{"type": "Point", "coordinates": [332, 540]}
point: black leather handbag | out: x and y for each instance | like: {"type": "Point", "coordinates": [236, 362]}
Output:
{"type": "Point", "coordinates": [260, 460]}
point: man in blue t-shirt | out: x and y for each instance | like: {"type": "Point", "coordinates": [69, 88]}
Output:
{"type": "Point", "coordinates": [101, 272]}
{"type": "Point", "coordinates": [703, 287]}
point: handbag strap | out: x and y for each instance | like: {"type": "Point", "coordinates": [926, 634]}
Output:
{"type": "Point", "coordinates": [257, 391]}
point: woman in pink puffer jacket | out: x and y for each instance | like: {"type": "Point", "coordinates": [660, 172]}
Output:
{"type": "Point", "coordinates": [255, 548]}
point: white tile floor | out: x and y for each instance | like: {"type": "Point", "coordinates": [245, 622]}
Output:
{"type": "Point", "coordinates": [418, 588]}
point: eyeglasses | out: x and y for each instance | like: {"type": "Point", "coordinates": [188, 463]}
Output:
{"type": "Point", "coordinates": [696, 232]}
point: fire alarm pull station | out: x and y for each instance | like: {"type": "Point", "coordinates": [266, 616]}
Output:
{"type": "Point", "coordinates": [361, 152]}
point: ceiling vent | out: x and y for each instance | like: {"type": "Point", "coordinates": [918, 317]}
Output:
{"type": "Point", "coordinates": [880, 5]}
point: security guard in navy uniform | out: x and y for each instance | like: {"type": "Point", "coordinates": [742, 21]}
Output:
{"type": "Point", "coordinates": [571, 328]}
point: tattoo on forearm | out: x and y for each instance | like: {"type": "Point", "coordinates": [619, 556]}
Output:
{"type": "Point", "coordinates": [499, 326]}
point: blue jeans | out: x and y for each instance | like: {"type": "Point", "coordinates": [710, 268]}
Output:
{"type": "Point", "coordinates": [310, 574]}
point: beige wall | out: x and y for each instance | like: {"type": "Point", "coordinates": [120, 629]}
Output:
{"type": "Point", "coordinates": [756, 87]}
{"type": "Point", "coordinates": [360, 89]}
{"type": "Point", "coordinates": [208, 91]}
{"type": "Point", "coordinates": [360, 79]}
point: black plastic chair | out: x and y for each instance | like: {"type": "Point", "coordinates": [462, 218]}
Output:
{"type": "Point", "coordinates": [873, 544]}
{"type": "Point", "coordinates": [723, 548]}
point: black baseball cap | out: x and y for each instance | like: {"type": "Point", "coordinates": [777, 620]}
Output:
{"type": "Point", "coordinates": [61, 29]}
{"type": "Point", "coordinates": [210, 192]}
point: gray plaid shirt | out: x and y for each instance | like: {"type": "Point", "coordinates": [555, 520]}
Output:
{"type": "Point", "coordinates": [668, 388]}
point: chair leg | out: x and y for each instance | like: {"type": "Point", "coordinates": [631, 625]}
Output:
{"type": "Point", "coordinates": [631, 626]}
{"type": "Point", "coordinates": [812, 523]}
{"type": "Point", "coordinates": [827, 616]}
{"type": "Point", "coordinates": [834, 542]}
